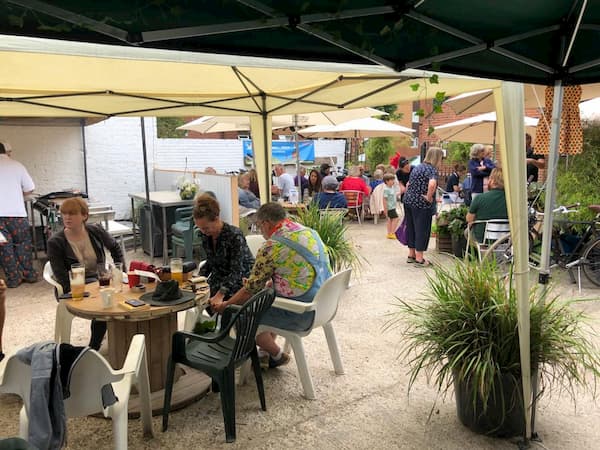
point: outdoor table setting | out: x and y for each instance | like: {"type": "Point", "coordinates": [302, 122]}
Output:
{"type": "Point", "coordinates": [131, 309]}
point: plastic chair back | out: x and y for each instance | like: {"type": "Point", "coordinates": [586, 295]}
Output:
{"type": "Point", "coordinates": [49, 277]}
{"type": "Point", "coordinates": [328, 297]}
{"type": "Point", "coordinates": [495, 229]}
{"type": "Point", "coordinates": [185, 215]}
{"type": "Point", "coordinates": [89, 375]}
{"type": "Point", "coordinates": [254, 241]}
{"type": "Point", "coordinates": [15, 377]}
{"type": "Point", "coordinates": [246, 321]}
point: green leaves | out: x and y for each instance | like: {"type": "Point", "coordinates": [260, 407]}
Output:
{"type": "Point", "coordinates": [466, 328]}
{"type": "Point", "coordinates": [415, 87]}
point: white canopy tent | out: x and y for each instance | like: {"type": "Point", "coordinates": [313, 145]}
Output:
{"type": "Point", "coordinates": [69, 79]}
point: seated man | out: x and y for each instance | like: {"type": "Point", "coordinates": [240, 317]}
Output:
{"type": "Point", "coordinates": [329, 197]}
{"type": "Point", "coordinates": [247, 199]}
{"type": "Point", "coordinates": [293, 259]}
{"type": "Point", "coordinates": [285, 182]}
{"type": "Point", "coordinates": [489, 205]}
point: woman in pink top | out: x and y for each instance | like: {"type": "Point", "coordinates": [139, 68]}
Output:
{"type": "Point", "coordinates": [353, 182]}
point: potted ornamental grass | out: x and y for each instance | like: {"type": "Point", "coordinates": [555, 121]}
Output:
{"type": "Point", "coordinates": [331, 228]}
{"type": "Point", "coordinates": [464, 337]}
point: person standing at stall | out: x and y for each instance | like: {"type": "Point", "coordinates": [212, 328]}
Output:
{"type": "Point", "coordinates": [16, 254]}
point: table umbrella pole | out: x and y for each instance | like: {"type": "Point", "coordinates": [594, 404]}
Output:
{"type": "Point", "coordinates": [297, 148]}
{"type": "Point", "coordinates": [147, 186]}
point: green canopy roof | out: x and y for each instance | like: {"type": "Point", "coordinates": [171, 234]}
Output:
{"type": "Point", "coordinates": [533, 41]}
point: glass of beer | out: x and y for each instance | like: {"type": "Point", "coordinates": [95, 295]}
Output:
{"type": "Point", "coordinates": [177, 270]}
{"type": "Point", "coordinates": [104, 274]}
{"type": "Point", "coordinates": [77, 280]}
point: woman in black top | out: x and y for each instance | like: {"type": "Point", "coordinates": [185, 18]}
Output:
{"type": "Point", "coordinates": [228, 258]}
{"type": "Point", "coordinates": [314, 183]}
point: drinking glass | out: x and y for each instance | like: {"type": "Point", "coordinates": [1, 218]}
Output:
{"type": "Point", "coordinates": [104, 274]}
{"type": "Point", "coordinates": [177, 270]}
{"type": "Point", "coordinates": [77, 281]}
{"type": "Point", "coordinates": [107, 297]}
{"type": "Point", "coordinates": [117, 276]}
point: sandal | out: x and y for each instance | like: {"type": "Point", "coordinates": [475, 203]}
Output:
{"type": "Point", "coordinates": [410, 259]}
{"type": "Point", "coordinates": [423, 264]}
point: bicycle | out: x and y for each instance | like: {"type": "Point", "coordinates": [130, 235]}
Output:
{"type": "Point", "coordinates": [581, 252]}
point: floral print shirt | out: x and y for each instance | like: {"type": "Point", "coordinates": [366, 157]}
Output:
{"type": "Point", "coordinates": [292, 275]}
{"type": "Point", "coordinates": [228, 260]}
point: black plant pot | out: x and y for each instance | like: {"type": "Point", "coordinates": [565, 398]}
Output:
{"type": "Point", "coordinates": [504, 416]}
{"type": "Point", "coordinates": [459, 245]}
{"type": "Point", "coordinates": [444, 243]}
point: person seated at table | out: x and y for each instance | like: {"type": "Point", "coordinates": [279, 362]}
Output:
{"type": "Point", "coordinates": [303, 180]}
{"type": "Point", "coordinates": [489, 205]}
{"type": "Point", "coordinates": [285, 182]}
{"type": "Point", "coordinates": [253, 187]}
{"type": "Point", "coordinates": [377, 179]}
{"type": "Point", "coordinates": [354, 182]}
{"type": "Point", "coordinates": [314, 183]}
{"type": "Point", "coordinates": [247, 199]}
{"type": "Point", "coordinates": [80, 242]}
{"type": "Point", "coordinates": [228, 257]}
{"type": "Point", "coordinates": [288, 247]}
{"type": "Point", "coordinates": [329, 197]}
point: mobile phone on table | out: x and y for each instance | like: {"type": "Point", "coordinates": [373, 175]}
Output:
{"type": "Point", "coordinates": [135, 302]}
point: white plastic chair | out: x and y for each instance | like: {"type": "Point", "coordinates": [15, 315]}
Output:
{"type": "Point", "coordinates": [255, 241]}
{"type": "Point", "coordinates": [325, 306]}
{"type": "Point", "coordinates": [495, 229]}
{"type": "Point", "coordinates": [376, 202]}
{"type": "Point", "coordinates": [64, 319]}
{"type": "Point", "coordinates": [90, 374]}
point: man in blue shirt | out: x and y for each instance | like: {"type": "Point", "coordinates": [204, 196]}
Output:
{"type": "Point", "coordinates": [329, 197]}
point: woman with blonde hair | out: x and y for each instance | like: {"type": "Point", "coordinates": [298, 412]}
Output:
{"type": "Point", "coordinates": [420, 206]}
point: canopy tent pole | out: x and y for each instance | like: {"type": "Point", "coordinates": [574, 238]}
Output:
{"type": "Point", "coordinates": [260, 130]}
{"type": "Point", "coordinates": [84, 148]}
{"type": "Point", "coordinates": [544, 275]}
{"type": "Point", "coordinates": [511, 126]}
{"type": "Point", "coordinates": [148, 205]}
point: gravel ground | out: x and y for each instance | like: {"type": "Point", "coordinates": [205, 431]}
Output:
{"type": "Point", "coordinates": [368, 407]}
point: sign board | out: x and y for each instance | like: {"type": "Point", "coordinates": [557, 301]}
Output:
{"type": "Point", "coordinates": [283, 152]}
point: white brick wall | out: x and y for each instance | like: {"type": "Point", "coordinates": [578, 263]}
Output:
{"type": "Point", "coordinates": [54, 157]}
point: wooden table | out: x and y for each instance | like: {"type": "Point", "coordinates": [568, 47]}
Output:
{"type": "Point", "coordinates": [157, 323]}
{"type": "Point", "coordinates": [293, 208]}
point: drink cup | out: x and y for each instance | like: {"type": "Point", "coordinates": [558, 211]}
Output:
{"type": "Point", "coordinates": [107, 297]}
{"type": "Point", "coordinates": [77, 281]}
{"type": "Point", "coordinates": [117, 276]}
{"type": "Point", "coordinates": [104, 274]}
{"type": "Point", "coordinates": [176, 266]}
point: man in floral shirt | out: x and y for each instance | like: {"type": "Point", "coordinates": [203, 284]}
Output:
{"type": "Point", "coordinates": [293, 259]}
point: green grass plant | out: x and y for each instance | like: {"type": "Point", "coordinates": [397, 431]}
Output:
{"type": "Point", "coordinates": [467, 326]}
{"type": "Point", "coordinates": [333, 232]}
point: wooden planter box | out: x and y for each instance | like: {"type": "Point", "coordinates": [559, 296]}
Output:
{"type": "Point", "coordinates": [443, 244]}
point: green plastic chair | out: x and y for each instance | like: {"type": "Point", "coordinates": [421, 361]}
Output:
{"type": "Point", "coordinates": [219, 354]}
{"type": "Point", "coordinates": [184, 234]}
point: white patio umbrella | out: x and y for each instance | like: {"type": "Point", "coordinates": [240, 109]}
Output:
{"type": "Point", "coordinates": [482, 101]}
{"type": "Point", "coordinates": [481, 129]}
{"type": "Point", "coordinates": [590, 110]}
{"type": "Point", "coordinates": [212, 124]}
{"type": "Point", "coordinates": [359, 128]}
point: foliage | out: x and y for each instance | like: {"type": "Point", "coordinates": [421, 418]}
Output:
{"type": "Point", "coordinates": [378, 151]}
{"type": "Point", "coordinates": [391, 112]}
{"type": "Point", "coordinates": [458, 152]}
{"type": "Point", "coordinates": [453, 221]}
{"type": "Point", "coordinates": [577, 182]}
{"type": "Point", "coordinates": [436, 104]}
{"type": "Point", "coordinates": [166, 127]}
{"type": "Point", "coordinates": [332, 230]}
{"type": "Point", "coordinates": [468, 324]}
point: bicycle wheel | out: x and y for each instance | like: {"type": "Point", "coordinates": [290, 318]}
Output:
{"type": "Point", "coordinates": [501, 251]}
{"type": "Point", "coordinates": [591, 264]}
